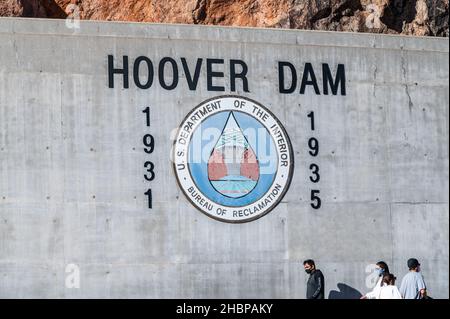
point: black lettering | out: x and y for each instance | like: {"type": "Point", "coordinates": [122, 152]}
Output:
{"type": "Point", "coordinates": [314, 170]}
{"type": "Point", "coordinates": [149, 197]}
{"type": "Point", "coordinates": [211, 74]}
{"type": "Point", "coordinates": [150, 72]}
{"type": "Point", "coordinates": [316, 202]}
{"type": "Point", "coordinates": [334, 84]}
{"type": "Point", "coordinates": [112, 71]}
{"type": "Point", "coordinates": [242, 75]}
{"type": "Point", "coordinates": [281, 77]}
{"type": "Point", "coordinates": [309, 73]}
{"type": "Point", "coordinates": [192, 80]}
{"type": "Point", "coordinates": [150, 167]}
{"type": "Point", "coordinates": [161, 73]}
{"type": "Point", "coordinates": [313, 144]}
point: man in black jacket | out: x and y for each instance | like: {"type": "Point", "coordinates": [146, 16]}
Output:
{"type": "Point", "coordinates": [315, 288]}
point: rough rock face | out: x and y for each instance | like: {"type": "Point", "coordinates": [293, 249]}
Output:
{"type": "Point", "coordinates": [11, 8]}
{"type": "Point", "coordinates": [410, 17]}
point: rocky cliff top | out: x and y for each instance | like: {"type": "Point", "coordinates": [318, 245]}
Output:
{"type": "Point", "coordinates": [408, 17]}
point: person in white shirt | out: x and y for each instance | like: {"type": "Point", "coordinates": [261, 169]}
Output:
{"type": "Point", "coordinates": [382, 269]}
{"type": "Point", "coordinates": [389, 290]}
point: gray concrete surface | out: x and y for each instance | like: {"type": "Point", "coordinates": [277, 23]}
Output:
{"type": "Point", "coordinates": [71, 186]}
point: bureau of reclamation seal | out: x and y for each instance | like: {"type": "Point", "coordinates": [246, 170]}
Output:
{"type": "Point", "coordinates": [271, 197]}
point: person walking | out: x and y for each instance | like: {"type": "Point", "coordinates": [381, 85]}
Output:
{"type": "Point", "coordinates": [315, 288]}
{"type": "Point", "coordinates": [389, 290]}
{"type": "Point", "coordinates": [413, 286]}
{"type": "Point", "coordinates": [381, 269]}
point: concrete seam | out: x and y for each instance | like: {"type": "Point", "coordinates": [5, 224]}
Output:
{"type": "Point", "coordinates": [190, 40]}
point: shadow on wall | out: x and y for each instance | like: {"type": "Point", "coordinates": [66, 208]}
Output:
{"type": "Point", "coordinates": [345, 292]}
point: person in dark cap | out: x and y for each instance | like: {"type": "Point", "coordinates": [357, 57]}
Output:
{"type": "Point", "coordinates": [413, 286]}
{"type": "Point", "coordinates": [315, 288]}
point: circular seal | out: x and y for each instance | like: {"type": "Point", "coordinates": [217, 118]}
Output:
{"type": "Point", "coordinates": [233, 159]}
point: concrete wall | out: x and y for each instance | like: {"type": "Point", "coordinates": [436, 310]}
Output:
{"type": "Point", "coordinates": [71, 186]}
